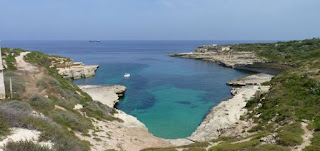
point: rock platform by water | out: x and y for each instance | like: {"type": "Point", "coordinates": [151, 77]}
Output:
{"type": "Point", "coordinates": [228, 59]}
{"type": "Point", "coordinates": [73, 70]}
{"type": "Point", "coordinates": [224, 119]}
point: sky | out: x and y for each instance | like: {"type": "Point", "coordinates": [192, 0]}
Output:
{"type": "Point", "coordinates": [159, 19]}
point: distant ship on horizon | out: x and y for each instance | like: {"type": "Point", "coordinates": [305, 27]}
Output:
{"type": "Point", "coordinates": [94, 41]}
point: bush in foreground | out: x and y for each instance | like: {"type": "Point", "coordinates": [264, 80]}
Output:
{"type": "Point", "coordinates": [25, 146]}
{"type": "Point", "coordinates": [18, 84]}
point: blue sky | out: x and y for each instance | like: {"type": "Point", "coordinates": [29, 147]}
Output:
{"type": "Point", "coordinates": [159, 19]}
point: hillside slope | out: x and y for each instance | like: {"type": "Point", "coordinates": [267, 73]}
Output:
{"type": "Point", "coordinates": [288, 116]}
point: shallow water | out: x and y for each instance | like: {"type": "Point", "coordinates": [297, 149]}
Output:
{"type": "Point", "coordinates": [171, 96]}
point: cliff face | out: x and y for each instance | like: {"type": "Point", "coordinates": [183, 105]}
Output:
{"type": "Point", "coordinates": [73, 70]}
{"type": "Point", "coordinates": [78, 72]}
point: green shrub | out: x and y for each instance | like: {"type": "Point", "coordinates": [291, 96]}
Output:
{"type": "Point", "coordinates": [197, 144]}
{"type": "Point", "coordinates": [10, 60]}
{"type": "Point", "coordinates": [63, 139]}
{"type": "Point", "coordinates": [42, 84]}
{"type": "Point", "coordinates": [256, 128]}
{"type": "Point", "coordinates": [97, 139]}
{"type": "Point", "coordinates": [159, 149]}
{"type": "Point", "coordinates": [72, 120]}
{"type": "Point", "coordinates": [25, 146]}
{"type": "Point", "coordinates": [249, 145]}
{"type": "Point", "coordinates": [252, 103]}
{"type": "Point", "coordinates": [194, 149]}
{"type": "Point", "coordinates": [225, 139]}
{"type": "Point", "coordinates": [316, 124]}
{"type": "Point", "coordinates": [10, 55]}
{"type": "Point", "coordinates": [41, 103]}
{"type": "Point", "coordinates": [98, 110]}
{"type": "Point", "coordinates": [315, 142]}
{"type": "Point", "coordinates": [4, 128]}
{"type": "Point", "coordinates": [290, 135]}
{"type": "Point", "coordinates": [269, 147]}
{"type": "Point", "coordinates": [18, 84]}
{"type": "Point", "coordinates": [13, 111]}
{"type": "Point", "coordinates": [54, 82]}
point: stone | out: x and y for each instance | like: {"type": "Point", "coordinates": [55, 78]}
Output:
{"type": "Point", "coordinates": [78, 107]}
{"type": "Point", "coordinates": [73, 70]}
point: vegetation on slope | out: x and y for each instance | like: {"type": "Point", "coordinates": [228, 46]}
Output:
{"type": "Point", "coordinates": [292, 52]}
{"type": "Point", "coordinates": [25, 146]}
{"type": "Point", "coordinates": [295, 94]}
{"type": "Point", "coordinates": [44, 101]}
{"type": "Point", "coordinates": [294, 98]}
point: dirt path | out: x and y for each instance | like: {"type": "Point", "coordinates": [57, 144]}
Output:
{"type": "Point", "coordinates": [25, 66]}
{"type": "Point", "coordinates": [306, 138]}
{"type": "Point", "coordinates": [30, 73]}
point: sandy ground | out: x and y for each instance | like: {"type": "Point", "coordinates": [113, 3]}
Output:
{"type": "Point", "coordinates": [20, 134]}
{"type": "Point", "coordinates": [130, 135]}
{"type": "Point", "coordinates": [24, 66]}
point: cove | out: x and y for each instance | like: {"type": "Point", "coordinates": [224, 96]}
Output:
{"type": "Point", "coordinates": [171, 96]}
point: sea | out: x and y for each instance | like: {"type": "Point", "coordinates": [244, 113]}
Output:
{"type": "Point", "coordinates": [170, 95]}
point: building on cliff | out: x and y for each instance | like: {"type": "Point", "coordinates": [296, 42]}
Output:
{"type": "Point", "coordinates": [213, 48]}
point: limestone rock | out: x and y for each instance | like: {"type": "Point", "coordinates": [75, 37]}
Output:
{"type": "Point", "coordinates": [255, 79]}
{"type": "Point", "coordinates": [224, 119]}
{"type": "Point", "coordinates": [229, 59]}
{"type": "Point", "coordinates": [77, 72]}
{"type": "Point", "coordinates": [270, 139]}
{"type": "Point", "coordinates": [108, 95]}
{"type": "Point", "coordinates": [72, 70]}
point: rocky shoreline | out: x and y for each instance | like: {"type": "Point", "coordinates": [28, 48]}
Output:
{"type": "Point", "coordinates": [224, 119]}
{"type": "Point", "coordinates": [73, 70]}
{"type": "Point", "coordinates": [108, 95]}
{"type": "Point", "coordinates": [228, 59]}
{"type": "Point", "coordinates": [247, 61]}
{"type": "Point", "coordinates": [131, 134]}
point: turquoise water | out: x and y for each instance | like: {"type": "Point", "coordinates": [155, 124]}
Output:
{"type": "Point", "coordinates": [171, 96]}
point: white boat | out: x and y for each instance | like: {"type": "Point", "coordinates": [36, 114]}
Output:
{"type": "Point", "coordinates": [127, 75]}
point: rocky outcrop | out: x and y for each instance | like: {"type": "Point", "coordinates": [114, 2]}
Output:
{"type": "Point", "coordinates": [73, 70]}
{"type": "Point", "coordinates": [108, 95]}
{"type": "Point", "coordinates": [228, 58]}
{"type": "Point", "coordinates": [255, 79]}
{"type": "Point", "coordinates": [78, 72]}
{"type": "Point", "coordinates": [130, 134]}
{"type": "Point", "coordinates": [224, 119]}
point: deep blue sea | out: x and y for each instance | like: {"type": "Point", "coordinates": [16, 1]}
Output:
{"type": "Point", "coordinates": [171, 96]}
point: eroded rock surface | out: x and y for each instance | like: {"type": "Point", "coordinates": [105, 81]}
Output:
{"type": "Point", "coordinates": [73, 70]}
{"type": "Point", "coordinates": [108, 95]}
{"type": "Point", "coordinates": [224, 119]}
{"type": "Point", "coordinates": [228, 59]}
{"type": "Point", "coordinates": [255, 79]}
{"type": "Point", "coordinates": [131, 134]}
